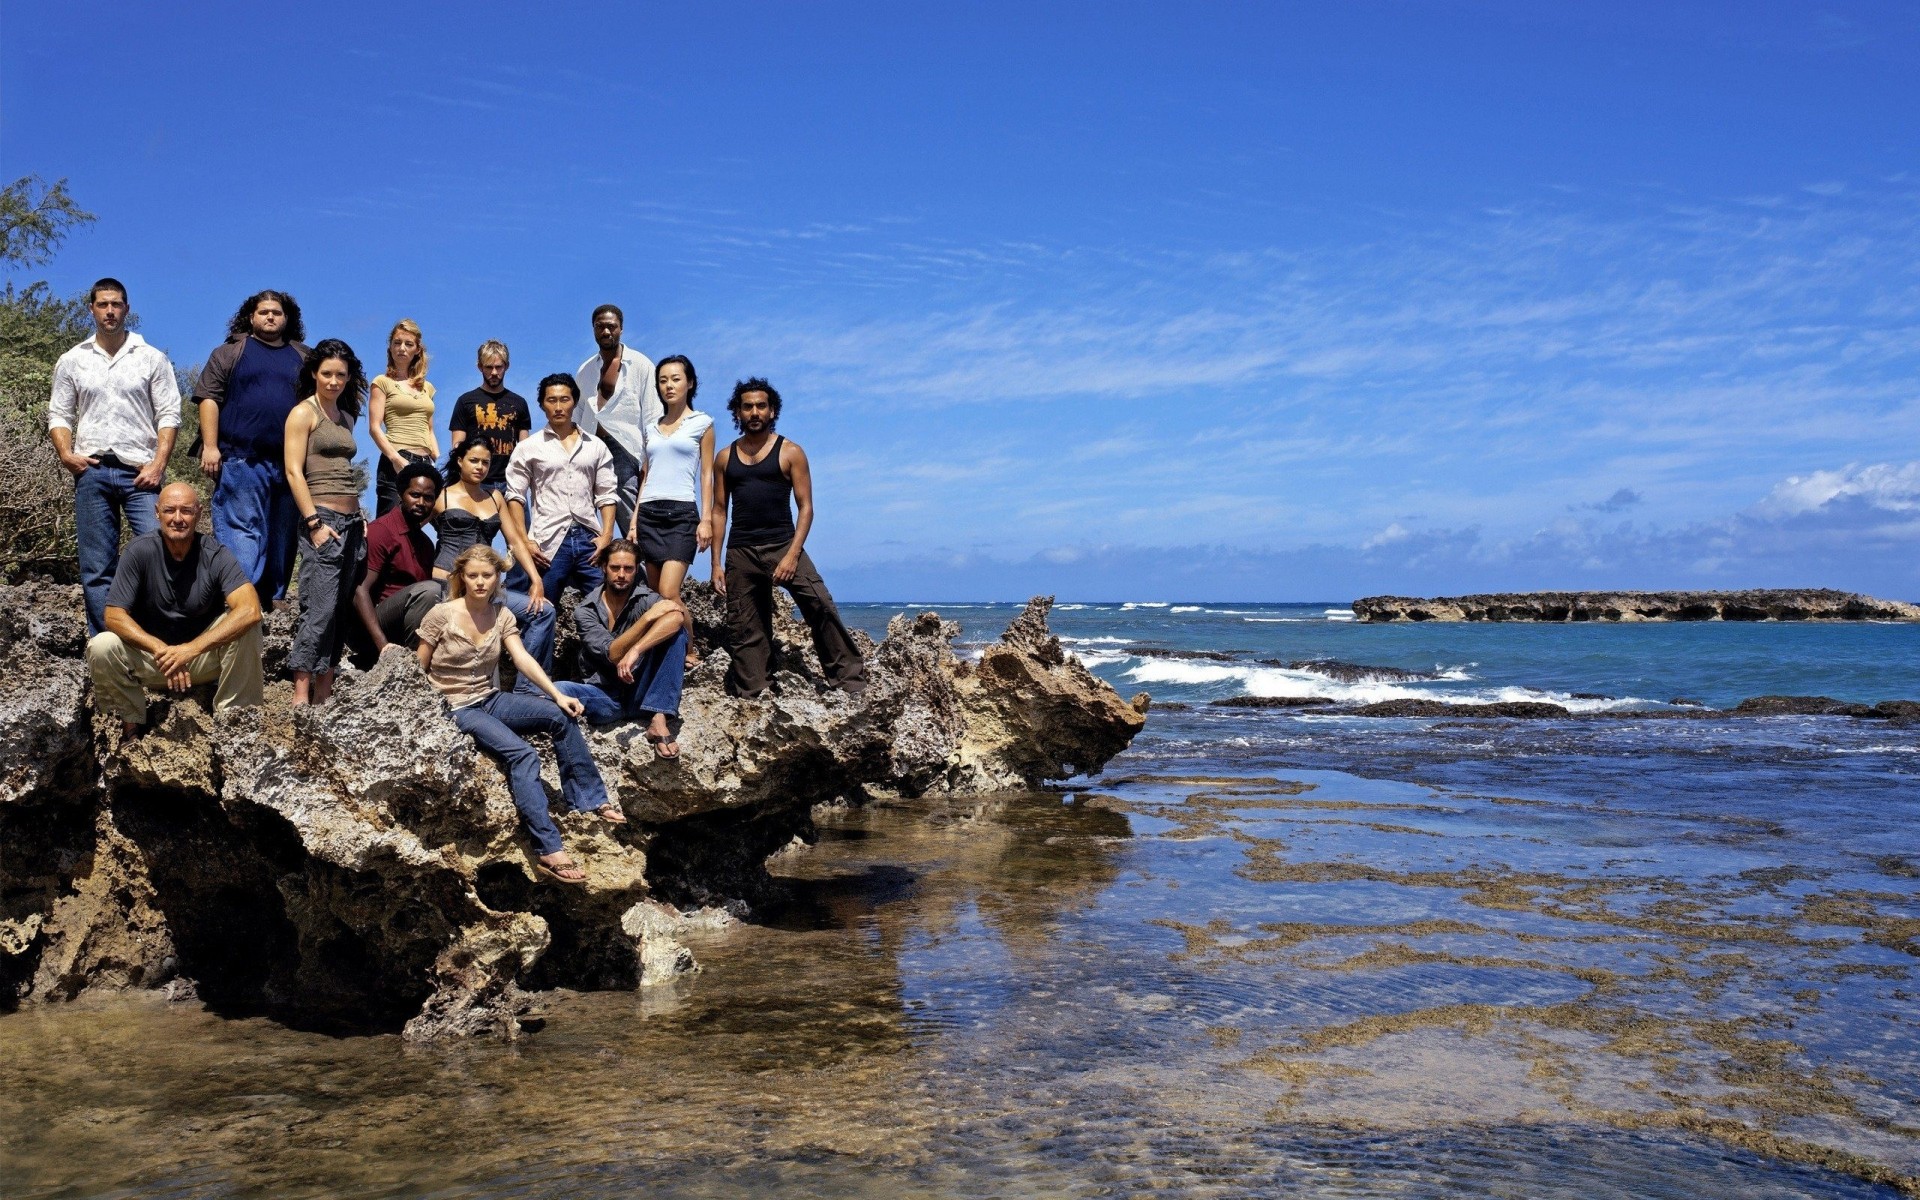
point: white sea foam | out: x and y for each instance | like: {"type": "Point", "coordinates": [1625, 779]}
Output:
{"type": "Point", "coordinates": [1277, 620]}
{"type": "Point", "coordinates": [1131, 604]}
{"type": "Point", "coordinates": [1185, 608]}
{"type": "Point", "coordinates": [1254, 680]}
{"type": "Point", "coordinates": [1068, 607]}
{"type": "Point", "coordinates": [1099, 658]}
{"type": "Point", "coordinates": [1094, 641]}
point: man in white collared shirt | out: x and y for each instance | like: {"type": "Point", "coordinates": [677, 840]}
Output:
{"type": "Point", "coordinates": [619, 402]}
{"type": "Point", "coordinates": [560, 489]}
{"type": "Point", "coordinates": [113, 416]}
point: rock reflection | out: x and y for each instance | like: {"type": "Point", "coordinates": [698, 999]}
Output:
{"type": "Point", "coordinates": [1037, 995]}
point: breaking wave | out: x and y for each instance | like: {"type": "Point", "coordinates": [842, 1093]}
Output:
{"type": "Point", "coordinates": [1254, 680]}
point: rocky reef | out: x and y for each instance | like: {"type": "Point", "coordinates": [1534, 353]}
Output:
{"type": "Point", "coordinates": [1758, 604]}
{"type": "Point", "coordinates": [359, 866]}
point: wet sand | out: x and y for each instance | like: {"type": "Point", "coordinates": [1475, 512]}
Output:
{"type": "Point", "coordinates": [1223, 983]}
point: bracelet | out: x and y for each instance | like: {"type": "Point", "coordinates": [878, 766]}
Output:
{"type": "Point", "coordinates": [313, 522]}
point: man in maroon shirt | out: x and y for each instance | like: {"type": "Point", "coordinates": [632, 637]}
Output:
{"type": "Point", "coordinates": [399, 587]}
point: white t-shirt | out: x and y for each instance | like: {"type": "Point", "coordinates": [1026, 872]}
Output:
{"type": "Point", "coordinates": [673, 460]}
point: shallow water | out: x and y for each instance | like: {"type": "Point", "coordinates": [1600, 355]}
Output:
{"type": "Point", "coordinates": [1267, 953]}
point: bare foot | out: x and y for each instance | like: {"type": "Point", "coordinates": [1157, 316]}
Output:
{"type": "Point", "coordinates": [129, 728]}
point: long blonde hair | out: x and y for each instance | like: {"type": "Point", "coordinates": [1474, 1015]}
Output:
{"type": "Point", "coordinates": [418, 375]}
{"type": "Point", "coordinates": [457, 575]}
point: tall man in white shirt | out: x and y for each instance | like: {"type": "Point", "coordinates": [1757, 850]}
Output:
{"type": "Point", "coordinates": [619, 402]}
{"type": "Point", "coordinates": [560, 487]}
{"type": "Point", "coordinates": [113, 417]}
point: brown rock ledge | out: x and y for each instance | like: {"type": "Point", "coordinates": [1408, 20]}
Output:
{"type": "Point", "coordinates": [359, 866]}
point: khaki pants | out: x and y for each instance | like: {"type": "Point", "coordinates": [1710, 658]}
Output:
{"type": "Point", "coordinates": [121, 674]}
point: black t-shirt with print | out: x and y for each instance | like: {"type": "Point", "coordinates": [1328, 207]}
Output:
{"type": "Point", "coordinates": [499, 418]}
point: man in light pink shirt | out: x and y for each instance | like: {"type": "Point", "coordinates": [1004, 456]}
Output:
{"type": "Point", "coordinates": [561, 488]}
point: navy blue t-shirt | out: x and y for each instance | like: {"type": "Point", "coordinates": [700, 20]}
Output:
{"type": "Point", "coordinates": [253, 417]}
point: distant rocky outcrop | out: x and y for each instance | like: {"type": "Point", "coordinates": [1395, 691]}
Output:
{"type": "Point", "coordinates": [1758, 604]}
{"type": "Point", "coordinates": [359, 866]}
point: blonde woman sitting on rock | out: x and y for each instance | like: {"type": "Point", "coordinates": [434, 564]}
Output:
{"type": "Point", "coordinates": [460, 643]}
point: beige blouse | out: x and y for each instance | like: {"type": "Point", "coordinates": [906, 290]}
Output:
{"type": "Point", "coordinates": [465, 672]}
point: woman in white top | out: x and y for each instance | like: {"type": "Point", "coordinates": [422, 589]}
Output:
{"type": "Point", "coordinates": [671, 523]}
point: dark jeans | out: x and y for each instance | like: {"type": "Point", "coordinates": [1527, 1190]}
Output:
{"type": "Point", "coordinates": [255, 518]}
{"type": "Point", "coordinates": [657, 680]}
{"type": "Point", "coordinates": [328, 575]}
{"type": "Point", "coordinates": [101, 496]}
{"type": "Point", "coordinates": [572, 564]}
{"type": "Point", "coordinates": [386, 481]}
{"type": "Point", "coordinates": [497, 722]}
{"type": "Point", "coordinates": [536, 632]}
{"type": "Point", "coordinates": [626, 480]}
{"type": "Point", "coordinates": [750, 621]}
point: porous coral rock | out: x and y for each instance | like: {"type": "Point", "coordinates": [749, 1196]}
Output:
{"type": "Point", "coordinates": [360, 865]}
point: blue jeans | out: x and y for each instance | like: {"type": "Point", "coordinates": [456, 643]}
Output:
{"type": "Point", "coordinates": [254, 517]}
{"type": "Point", "coordinates": [657, 680]}
{"type": "Point", "coordinates": [101, 495]}
{"type": "Point", "coordinates": [572, 563]}
{"type": "Point", "coordinates": [536, 633]}
{"type": "Point", "coordinates": [497, 722]}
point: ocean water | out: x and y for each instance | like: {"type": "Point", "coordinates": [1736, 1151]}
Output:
{"type": "Point", "coordinates": [1633, 665]}
{"type": "Point", "coordinates": [1266, 952]}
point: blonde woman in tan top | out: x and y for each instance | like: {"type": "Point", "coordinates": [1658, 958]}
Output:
{"type": "Point", "coordinates": [400, 415]}
{"type": "Point", "coordinates": [326, 487]}
{"type": "Point", "coordinates": [460, 645]}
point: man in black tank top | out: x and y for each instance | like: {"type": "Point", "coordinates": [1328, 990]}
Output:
{"type": "Point", "coordinates": [759, 474]}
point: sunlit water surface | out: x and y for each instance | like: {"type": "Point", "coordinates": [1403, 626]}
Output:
{"type": "Point", "coordinates": [1266, 953]}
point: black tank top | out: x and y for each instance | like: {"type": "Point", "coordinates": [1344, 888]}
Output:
{"type": "Point", "coordinates": [761, 498]}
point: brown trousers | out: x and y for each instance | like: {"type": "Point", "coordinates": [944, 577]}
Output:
{"type": "Point", "coordinates": [750, 621]}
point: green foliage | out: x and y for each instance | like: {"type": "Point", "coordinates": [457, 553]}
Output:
{"type": "Point", "coordinates": [36, 328]}
{"type": "Point", "coordinates": [34, 219]}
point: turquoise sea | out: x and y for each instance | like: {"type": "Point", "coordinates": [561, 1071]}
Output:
{"type": "Point", "coordinates": [1266, 952]}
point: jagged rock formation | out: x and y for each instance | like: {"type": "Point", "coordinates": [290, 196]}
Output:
{"type": "Point", "coordinates": [1759, 604]}
{"type": "Point", "coordinates": [359, 866]}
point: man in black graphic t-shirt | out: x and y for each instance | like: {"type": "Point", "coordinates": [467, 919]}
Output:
{"type": "Point", "coordinates": [492, 413]}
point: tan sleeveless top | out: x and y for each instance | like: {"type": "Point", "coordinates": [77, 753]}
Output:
{"type": "Point", "coordinates": [409, 412]}
{"type": "Point", "coordinates": [330, 451]}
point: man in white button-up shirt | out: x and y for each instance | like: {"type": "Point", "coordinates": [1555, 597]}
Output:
{"type": "Point", "coordinates": [113, 416]}
{"type": "Point", "coordinates": [619, 402]}
{"type": "Point", "coordinates": [560, 488]}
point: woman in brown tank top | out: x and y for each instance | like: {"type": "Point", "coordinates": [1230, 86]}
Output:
{"type": "Point", "coordinates": [326, 487]}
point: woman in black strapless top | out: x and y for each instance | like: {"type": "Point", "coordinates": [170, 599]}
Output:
{"type": "Point", "coordinates": [467, 514]}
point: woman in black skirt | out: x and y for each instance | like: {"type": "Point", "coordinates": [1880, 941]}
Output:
{"type": "Point", "coordinates": [669, 524]}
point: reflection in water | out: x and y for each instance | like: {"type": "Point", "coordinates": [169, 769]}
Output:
{"type": "Point", "coordinates": [1027, 996]}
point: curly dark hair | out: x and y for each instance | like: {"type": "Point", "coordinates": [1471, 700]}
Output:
{"type": "Point", "coordinates": [242, 323]}
{"type": "Point", "coordinates": [693, 380]}
{"type": "Point", "coordinates": [756, 384]}
{"type": "Point", "coordinates": [356, 390]}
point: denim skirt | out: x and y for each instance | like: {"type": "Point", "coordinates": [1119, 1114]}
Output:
{"type": "Point", "coordinates": [666, 531]}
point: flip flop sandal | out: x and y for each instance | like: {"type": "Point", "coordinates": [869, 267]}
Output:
{"type": "Point", "coordinates": [609, 813]}
{"type": "Point", "coordinates": [552, 873]}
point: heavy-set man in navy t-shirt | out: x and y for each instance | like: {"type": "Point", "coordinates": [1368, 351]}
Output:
{"type": "Point", "coordinates": [245, 393]}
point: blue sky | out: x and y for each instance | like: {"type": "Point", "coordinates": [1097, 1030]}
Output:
{"type": "Point", "coordinates": [1120, 301]}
